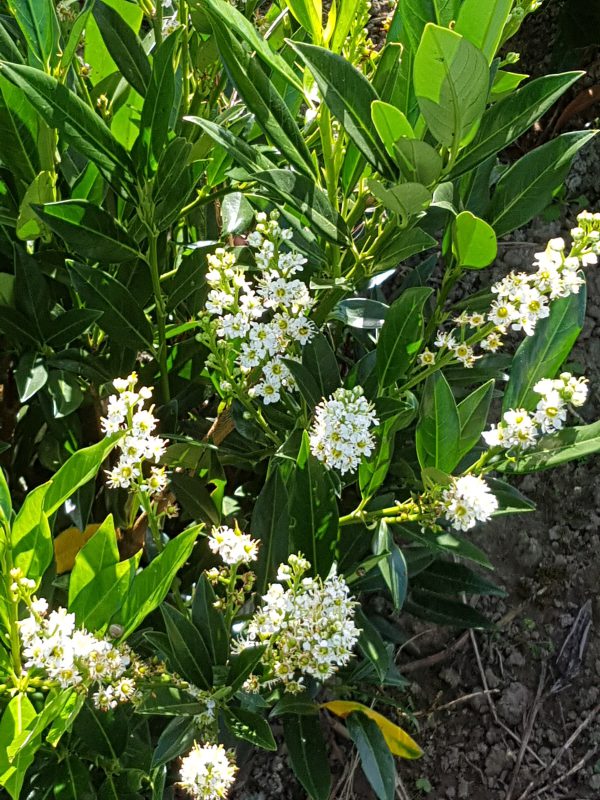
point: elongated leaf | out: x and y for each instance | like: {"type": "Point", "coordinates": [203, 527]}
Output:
{"type": "Point", "coordinates": [507, 119]}
{"type": "Point", "coordinates": [31, 539]}
{"type": "Point", "coordinates": [376, 760]}
{"type": "Point", "coordinates": [270, 525]}
{"type": "Point", "coordinates": [250, 727]}
{"type": "Point", "coordinates": [190, 658]}
{"type": "Point", "coordinates": [526, 188]}
{"type": "Point", "coordinates": [443, 611]}
{"type": "Point", "coordinates": [30, 375]}
{"type": "Point", "coordinates": [247, 156]}
{"type": "Point", "coordinates": [472, 414]}
{"type": "Point", "coordinates": [71, 325]}
{"type": "Point", "coordinates": [37, 19]}
{"type": "Point", "coordinates": [541, 355]}
{"type": "Point", "coordinates": [176, 739]}
{"type": "Point", "coordinates": [122, 318]}
{"type": "Point", "coordinates": [510, 500]}
{"type": "Point", "coordinates": [19, 130]}
{"type": "Point", "coordinates": [392, 566]}
{"type": "Point", "coordinates": [398, 741]}
{"type": "Point", "coordinates": [74, 39]}
{"type": "Point", "coordinates": [319, 359]}
{"type": "Point", "coordinates": [209, 621]}
{"type": "Point", "coordinates": [402, 246]}
{"type": "Point", "coordinates": [309, 14]}
{"type": "Point", "coordinates": [18, 715]}
{"type": "Point", "coordinates": [401, 335]}
{"type": "Point", "coordinates": [160, 96]}
{"type": "Point", "coordinates": [17, 327]}
{"type": "Point", "coordinates": [304, 196]}
{"type": "Point", "coordinates": [438, 428]}
{"type": "Point", "coordinates": [446, 577]}
{"type": "Point", "coordinates": [151, 585]}
{"type": "Point", "coordinates": [79, 125]}
{"type": "Point", "coordinates": [307, 754]}
{"type": "Point", "coordinates": [349, 96]}
{"type": "Point", "coordinates": [570, 444]}
{"type": "Point", "coordinates": [124, 46]}
{"type": "Point", "coordinates": [89, 230]}
{"type": "Point", "coordinates": [451, 81]}
{"type": "Point", "coordinates": [262, 98]}
{"type": "Point", "coordinates": [482, 23]}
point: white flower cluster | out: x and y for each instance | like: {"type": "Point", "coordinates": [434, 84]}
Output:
{"type": "Point", "coordinates": [126, 414]}
{"type": "Point", "coordinates": [73, 657]}
{"type": "Point", "coordinates": [207, 772]}
{"type": "Point", "coordinates": [308, 626]}
{"type": "Point", "coordinates": [233, 546]}
{"type": "Point", "coordinates": [340, 435]}
{"type": "Point", "coordinates": [468, 501]}
{"type": "Point", "coordinates": [519, 429]}
{"type": "Point", "coordinates": [268, 319]}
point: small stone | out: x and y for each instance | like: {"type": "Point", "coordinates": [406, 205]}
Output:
{"type": "Point", "coordinates": [514, 702]}
{"type": "Point", "coordinates": [451, 677]}
{"type": "Point", "coordinates": [492, 679]}
{"type": "Point", "coordinates": [516, 659]}
{"type": "Point", "coordinates": [463, 789]}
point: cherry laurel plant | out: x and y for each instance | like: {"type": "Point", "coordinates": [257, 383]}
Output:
{"type": "Point", "coordinates": [243, 393]}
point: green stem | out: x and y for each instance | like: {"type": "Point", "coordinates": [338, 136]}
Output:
{"type": "Point", "coordinates": [161, 316]}
{"type": "Point", "coordinates": [12, 607]}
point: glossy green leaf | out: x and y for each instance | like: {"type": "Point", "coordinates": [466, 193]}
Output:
{"type": "Point", "coordinates": [482, 23]}
{"type": "Point", "coordinates": [19, 125]}
{"type": "Point", "coordinates": [40, 190]}
{"type": "Point", "coordinates": [390, 123]}
{"type": "Point", "coordinates": [17, 716]}
{"type": "Point", "coordinates": [150, 586]}
{"type": "Point", "coordinates": [249, 727]}
{"type": "Point", "coordinates": [31, 293]}
{"type": "Point", "coordinates": [270, 525]}
{"type": "Point", "coordinates": [246, 155]}
{"type": "Point", "coordinates": [473, 241]}
{"type": "Point", "coordinates": [243, 664]}
{"type": "Point", "coordinates": [472, 414]}
{"type": "Point", "coordinates": [18, 328]}
{"type": "Point", "coordinates": [346, 15]}
{"type": "Point", "coordinates": [309, 14]}
{"type": "Point", "coordinates": [71, 325]}
{"type": "Point", "coordinates": [510, 500]}
{"type": "Point", "coordinates": [5, 500]}
{"type": "Point", "coordinates": [209, 621]}
{"type": "Point", "coordinates": [37, 20]}
{"type": "Point", "coordinates": [451, 82]}
{"type": "Point", "coordinates": [569, 444]}
{"type": "Point", "coordinates": [449, 578]}
{"type": "Point", "coordinates": [124, 46]}
{"type": "Point", "coordinates": [31, 375]}
{"type": "Point", "coordinates": [376, 760]}
{"type": "Point", "coordinates": [405, 199]}
{"type": "Point", "coordinates": [122, 318]}
{"type": "Point", "coordinates": [31, 540]}
{"type": "Point", "coordinates": [419, 162]}
{"type": "Point", "coordinates": [89, 230]}
{"type": "Point", "coordinates": [401, 335]}
{"type": "Point", "coordinates": [160, 97]}
{"type": "Point", "coordinates": [371, 645]}
{"type": "Point", "coordinates": [307, 754]}
{"type": "Point", "coordinates": [190, 658]}
{"type": "Point", "coordinates": [349, 96]}
{"type": "Point", "coordinates": [392, 566]}
{"type": "Point", "coordinates": [236, 213]}
{"type": "Point", "coordinates": [64, 392]}
{"type": "Point", "coordinates": [527, 187]}
{"type": "Point", "coordinates": [303, 195]}
{"type": "Point", "coordinates": [438, 428]}
{"type": "Point", "coordinates": [79, 125]}
{"type": "Point", "coordinates": [174, 182]}
{"type": "Point", "coordinates": [75, 33]}
{"type": "Point", "coordinates": [444, 611]}
{"type": "Point", "coordinates": [507, 119]}
{"type": "Point", "coordinates": [175, 740]}
{"type": "Point", "coordinates": [320, 360]}
{"type": "Point", "coordinates": [404, 244]}
{"type": "Point", "coordinates": [541, 355]}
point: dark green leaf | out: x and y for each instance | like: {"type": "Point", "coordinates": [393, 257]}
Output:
{"type": "Point", "coordinates": [372, 646]}
{"type": "Point", "coordinates": [247, 156]}
{"type": "Point", "coordinates": [158, 105]}
{"type": "Point", "coordinates": [392, 566]}
{"type": "Point", "coordinates": [124, 46]}
{"type": "Point", "coordinates": [320, 361]}
{"type": "Point", "coordinates": [242, 665]}
{"type": "Point", "coordinates": [308, 754]}
{"type": "Point", "coordinates": [30, 375]}
{"type": "Point", "coordinates": [446, 577]}
{"type": "Point", "coordinates": [38, 22]}
{"type": "Point", "coordinates": [209, 621]}
{"type": "Point", "coordinates": [438, 428]}
{"type": "Point", "coordinates": [472, 414]}
{"type": "Point", "coordinates": [570, 444]}
{"type": "Point", "coordinates": [191, 658]}
{"type": "Point", "coordinates": [401, 335]}
{"type": "Point", "coordinates": [376, 760]}
{"type": "Point", "coordinates": [71, 325]}
{"type": "Point", "coordinates": [270, 525]}
{"type": "Point", "coordinates": [175, 740]}
{"type": "Point", "coordinates": [443, 611]}
{"type": "Point", "coordinates": [250, 727]}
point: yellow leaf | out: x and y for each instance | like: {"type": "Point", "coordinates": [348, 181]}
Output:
{"type": "Point", "coordinates": [68, 543]}
{"type": "Point", "coordinates": [399, 742]}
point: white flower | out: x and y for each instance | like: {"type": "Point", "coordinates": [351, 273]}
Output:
{"type": "Point", "coordinates": [426, 358]}
{"type": "Point", "coordinates": [207, 773]}
{"type": "Point", "coordinates": [516, 429]}
{"type": "Point", "coordinates": [445, 340]}
{"type": "Point", "coordinates": [308, 628]}
{"type": "Point", "coordinates": [468, 501]}
{"type": "Point", "coordinates": [551, 412]}
{"type": "Point", "coordinates": [464, 353]}
{"type": "Point", "coordinates": [233, 546]}
{"type": "Point", "coordinates": [340, 435]}
{"type": "Point", "coordinates": [492, 342]}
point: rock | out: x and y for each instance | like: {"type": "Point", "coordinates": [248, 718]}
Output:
{"type": "Point", "coordinates": [496, 761]}
{"type": "Point", "coordinates": [463, 789]}
{"type": "Point", "coordinates": [514, 703]}
{"type": "Point", "coordinates": [516, 659]}
{"type": "Point", "coordinates": [451, 677]}
{"type": "Point", "coordinates": [492, 679]}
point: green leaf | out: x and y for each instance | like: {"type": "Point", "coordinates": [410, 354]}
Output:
{"type": "Point", "coordinates": [64, 392]}
{"type": "Point", "coordinates": [405, 244]}
{"type": "Point", "coordinates": [37, 19]}
{"type": "Point", "coordinates": [72, 780]}
{"type": "Point", "coordinates": [472, 414]}
{"type": "Point", "coordinates": [31, 293]}
{"type": "Point", "coordinates": [438, 428]}
{"type": "Point", "coordinates": [18, 715]}
{"type": "Point", "coordinates": [124, 46]}
{"type": "Point", "coordinates": [122, 318]}
{"type": "Point", "coordinates": [448, 578]}
{"type": "Point", "coordinates": [76, 121]}
{"type": "Point", "coordinates": [443, 611]}
{"type": "Point", "coordinates": [71, 325]}
{"type": "Point", "coordinates": [209, 621]}
{"type": "Point", "coordinates": [372, 646]}
{"type": "Point", "coordinates": [473, 241]}
{"type": "Point", "coordinates": [30, 375]}
{"type": "Point", "coordinates": [510, 500]}
{"type": "Point", "coordinates": [313, 511]}
{"type": "Point", "coordinates": [451, 83]}
{"type": "Point", "coordinates": [349, 96]}
{"type": "Point", "coordinates": [319, 359]}
{"type": "Point", "coordinates": [507, 119]}
{"type": "Point", "coordinates": [541, 355]}
{"type": "Point", "coordinates": [5, 501]}
{"type": "Point", "coordinates": [19, 127]}
{"type": "Point", "coordinates": [482, 23]}
{"type": "Point", "coordinates": [18, 328]}
{"type": "Point", "coordinates": [75, 33]}
{"type": "Point", "coordinates": [150, 586]}
{"type": "Point", "coordinates": [392, 566]}
{"type": "Point", "coordinates": [527, 187]}
{"type": "Point", "coordinates": [31, 540]}
{"type": "Point", "coordinates": [305, 382]}
{"type": "Point", "coordinates": [419, 162]}
{"type": "Point", "coordinates": [160, 97]}
{"type": "Point", "coordinates": [249, 727]}
{"type": "Point", "coordinates": [376, 760]}
{"type": "Point", "coordinates": [270, 525]}
{"type": "Point", "coordinates": [81, 467]}
{"type": "Point", "coordinates": [302, 194]}
{"type": "Point", "coordinates": [174, 182]}
{"type": "Point", "coordinates": [236, 213]}
{"type": "Point", "coordinates": [309, 14]}
{"type": "Point", "coordinates": [390, 123]}
{"type": "Point", "coordinates": [175, 740]}
{"type": "Point", "coordinates": [242, 664]}
{"type": "Point", "coordinates": [89, 230]}
{"type": "Point", "coordinates": [307, 754]}
{"type": "Point", "coordinates": [294, 704]}
{"type": "Point", "coordinates": [569, 444]}
{"type": "Point", "coordinates": [262, 98]}
{"type": "Point", "coordinates": [40, 190]}
{"type": "Point", "coordinates": [405, 199]}
{"type": "Point", "coordinates": [401, 335]}
{"type": "Point", "coordinates": [246, 155]}
{"type": "Point", "coordinates": [374, 469]}
{"type": "Point", "coordinates": [190, 658]}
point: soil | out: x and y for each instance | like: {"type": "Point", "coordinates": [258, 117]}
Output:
{"type": "Point", "coordinates": [489, 715]}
